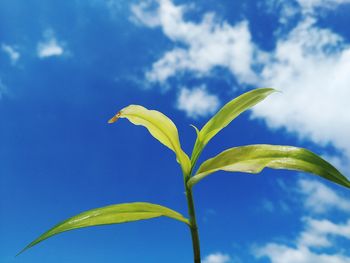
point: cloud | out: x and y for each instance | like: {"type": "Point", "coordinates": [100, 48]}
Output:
{"type": "Point", "coordinates": [11, 52]}
{"type": "Point", "coordinates": [283, 254]}
{"type": "Point", "coordinates": [310, 65]}
{"type": "Point", "coordinates": [311, 5]}
{"type": "Point", "coordinates": [217, 258]}
{"type": "Point", "coordinates": [50, 46]}
{"type": "Point", "coordinates": [207, 44]}
{"type": "Point", "coordinates": [140, 16]}
{"type": "Point", "coordinates": [288, 9]}
{"type": "Point", "coordinates": [317, 235]}
{"type": "Point", "coordinates": [197, 102]}
{"type": "Point", "coordinates": [321, 199]}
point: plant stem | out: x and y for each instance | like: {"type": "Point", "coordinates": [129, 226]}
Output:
{"type": "Point", "coordinates": [193, 226]}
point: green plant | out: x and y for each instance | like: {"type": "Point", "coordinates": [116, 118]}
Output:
{"type": "Point", "coordinates": [248, 159]}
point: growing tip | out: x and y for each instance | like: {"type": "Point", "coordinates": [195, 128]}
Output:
{"type": "Point", "coordinates": [196, 129]}
{"type": "Point", "coordinates": [114, 118]}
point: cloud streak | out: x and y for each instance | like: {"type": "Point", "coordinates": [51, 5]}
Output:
{"type": "Point", "coordinates": [321, 199]}
{"type": "Point", "coordinates": [13, 54]}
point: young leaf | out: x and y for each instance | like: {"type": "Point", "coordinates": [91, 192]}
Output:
{"type": "Point", "coordinates": [254, 158]}
{"type": "Point", "coordinates": [161, 128]}
{"type": "Point", "coordinates": [113, 214]}
{"type": "Point", "coordinates": [226, 114]}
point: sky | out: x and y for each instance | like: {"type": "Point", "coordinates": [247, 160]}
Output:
{"type": "Point", "coordinates": [66, 67]}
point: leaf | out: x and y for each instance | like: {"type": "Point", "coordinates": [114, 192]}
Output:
{"type": "Point", "coordinates": [160, 127]}
{"type": "Point", "coordinates": [226, 114]}
{"type": "Point", "coordinates": [254, 158]}
{"type": "Point", "coordinates": [113, 214]}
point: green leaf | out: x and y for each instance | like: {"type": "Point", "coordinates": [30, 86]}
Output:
{"type": "Point", "coordinates": [254, 158]}
{"type": "Point", "coordinates": [160, 127]}
{"type": "Point", "coordinates": [227, 114]}
{"type": "Point", "coordinates": [113, 214]}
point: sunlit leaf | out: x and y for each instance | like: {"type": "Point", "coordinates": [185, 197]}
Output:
{"type": "Point", "coordinates": [161, 128]}
{"type": "Point", "coordinates": [113, 214]}
{"type": "Point", "coordinates": [254, 158]}
{"type": "Point", "coordinates": [226, 114]}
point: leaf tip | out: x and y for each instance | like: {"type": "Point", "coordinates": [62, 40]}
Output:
{"type": "Point", "coordinates": [20, 252]}
{"type": "Point", "coordinates": [273, 90]}
{"type": "Point", "coordinates": [114, 118]}
{"type": "Point", "coordinates": [196, 129]}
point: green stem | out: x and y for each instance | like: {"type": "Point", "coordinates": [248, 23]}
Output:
{"type": "Point", "coordinates": [193, 226]}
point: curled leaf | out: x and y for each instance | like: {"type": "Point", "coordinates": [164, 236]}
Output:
{"type": "Point", "coordinates": [254, 158]}
{"type": "Point", "coordinates": [160, 127]}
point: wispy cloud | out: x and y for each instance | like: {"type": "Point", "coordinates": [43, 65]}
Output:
{"type": "Point", "coordinates": [321, 199]}
{"type": "Point", "coordinates": [217, 258]}
{"type": "Point", "coordinates": [290, 8]}
{"type": "Point", "coordinates": [317, 234]}
{"type": "Point", "coordinates": [311, 5]}
{"type": "Point", "coordinates": [197, 102]}
{"type": "Point", "coordinates": [49, 47]}
{"type": "Point", "coordinates": [13, 54]}
{"type": "Point", "coordinates": [278, 253]}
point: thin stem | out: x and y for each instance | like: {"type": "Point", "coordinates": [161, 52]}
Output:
{"type": "Point", "coordinates": [191, 208]}
{"type": "Point", "coordinates": [193, 226]}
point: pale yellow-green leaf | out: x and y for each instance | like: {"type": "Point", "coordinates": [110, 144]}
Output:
{"type": "Point", "coordinates": [225, 115]}
{"type": "Point", "coordinates": [160, 127]}
{"type": "Point", "coordinates": [254, 158]}
{"type": "Point", "coordinates": [113, 214]}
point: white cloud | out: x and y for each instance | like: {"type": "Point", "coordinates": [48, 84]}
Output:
{"type": "Point", "coordinates": [285, 9]}
{"type": "Point", "coordinates": [208, 44]}
{"type": "Point", "coordinates": [197, 102]}
{"type": "Point", "coordinates": [311, 5]}
{"type": "Point", "coordinates": [321, 199]}
{"type": "Point", "coordinates": [11, 52]}
{"type": "Point", "coordinates": [284, 254]}
{"type": "Point", "coordinates": [316, 234]}
{"type": "Point", "coordinates": [140, 16]}
{"type": "Point", "coordinates": [309, 64]}
{"type": "Point", "coordinates": [217, 258]}
{"type": "Point", "coordinates": [289, 8]}
{"type": "Point", "coordinates": [50, 46]}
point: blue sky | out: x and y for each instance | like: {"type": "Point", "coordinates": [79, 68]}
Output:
{"type": "Point", "coordinates": [66, 67]}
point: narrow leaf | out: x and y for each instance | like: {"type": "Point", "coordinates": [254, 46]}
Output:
{"type": "Point", "coordinates": [113, 214]}
{"type": "Point", "coordinates": [160, 127]}
{"type": "Point", "coordinates": [254, 158]}
{"type": "Point", "coordinates": [226, 114]}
